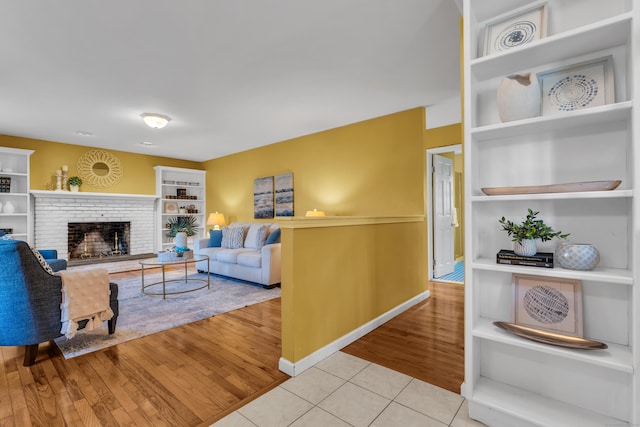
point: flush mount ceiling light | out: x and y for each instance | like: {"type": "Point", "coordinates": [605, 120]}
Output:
{"type": "Point", "coordinates": [156, 121]}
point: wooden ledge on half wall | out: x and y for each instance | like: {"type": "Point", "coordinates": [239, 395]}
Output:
{"type": "Point", "coordinates": [337, 221]}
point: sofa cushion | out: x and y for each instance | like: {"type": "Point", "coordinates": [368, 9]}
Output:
{"type": "Point", "coordinates": [215, 238]}
{"type": "Point", "coordinates": [250, 259]}
{"type": "Point", "coordinates": [233, 237]}
{"type": "Point", "coordinates": [256, 236]}
{"type": "Point", "coordinates": [274, 237]}
{"type": "Point", "coordinates": [230, 256]}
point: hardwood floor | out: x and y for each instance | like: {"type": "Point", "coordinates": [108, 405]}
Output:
{"type": "Point", "coordinates": [425, 342]}
{"type": "Point", "coordinates": [195, 374]}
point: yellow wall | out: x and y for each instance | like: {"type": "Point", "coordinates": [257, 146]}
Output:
{"type": "Point", "coordinates": [138, 178]}
{"type": "Point", "coordinates": [337, 278]}
{"type": "Point", "coordinates": [373, 167]}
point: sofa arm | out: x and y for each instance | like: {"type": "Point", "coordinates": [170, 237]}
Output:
{"type": "Point", "coordinates": [271, 255]}
{"type": "Point", "coordinates": [200, 244]}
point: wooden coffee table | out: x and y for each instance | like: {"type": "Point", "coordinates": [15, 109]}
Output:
{"type": "Point", "coordinates": [155, 263]}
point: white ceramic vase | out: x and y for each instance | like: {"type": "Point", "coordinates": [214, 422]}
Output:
{"type": "Point", "coordinates": [528, 247]}
{"type": "Point", "coordinates": [181, 239]}
{"type": "Point", "coordinates": [8, 208]}
{"type": "Point", "coordinates": [518, 97]}
{"type": "Point", "coordinates": [74, 188]}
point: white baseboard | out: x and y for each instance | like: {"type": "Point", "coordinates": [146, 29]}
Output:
{"type": "Point", "coordinates": [296, 368]}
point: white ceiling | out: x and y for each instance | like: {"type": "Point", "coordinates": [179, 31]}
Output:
{"type": "Point", "coordinates": [232, 74]}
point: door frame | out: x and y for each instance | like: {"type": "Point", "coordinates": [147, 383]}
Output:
{"type": "Point", "coordinates": [457, 149]}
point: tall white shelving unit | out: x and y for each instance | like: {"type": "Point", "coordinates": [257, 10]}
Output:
{"type": "Point", "coordinates": [192, 183]}
{"type": "Point", "coordinates": [511, 381]}
{"type": "Point", "coordinates": [14, 165]}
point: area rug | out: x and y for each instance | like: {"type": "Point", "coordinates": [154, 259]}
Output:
{"type": "Point", "coordinates": [142, 315]}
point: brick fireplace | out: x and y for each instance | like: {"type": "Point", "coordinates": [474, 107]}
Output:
{"type": "Point", "coordinates": [98, 240]}
{"type": "Point", "coordinates": [54, 211]}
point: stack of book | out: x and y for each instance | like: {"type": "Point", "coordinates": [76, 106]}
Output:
{"type": "Point", "coordinates": [540, 259]}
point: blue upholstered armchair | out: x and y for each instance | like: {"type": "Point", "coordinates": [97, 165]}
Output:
{"type": "Point", "coordinates": [51, 256]}
{"type": "Point", "coordinates": [30, 299]}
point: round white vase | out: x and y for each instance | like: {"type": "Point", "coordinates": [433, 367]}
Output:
{"type": "Point", "coordinates": [528, 247]}
{"type": "Point", "coordinates": [577, 256]}
{"type": "Point", "coordinates": [74, 188]}
{"type": "Point", "coordinates": [181, 239]}
{"type": "Point", "coordinates": [518, 97]}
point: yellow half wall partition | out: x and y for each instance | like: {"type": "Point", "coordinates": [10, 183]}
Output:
{"type": "Point", "coordinates": [344, 276]}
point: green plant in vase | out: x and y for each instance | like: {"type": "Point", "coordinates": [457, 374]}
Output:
{"type": "Point", "coordinates": [525, 234]}
{"type": "Point", "coordinates": [74, 183]}
{"type": "Point", "coordinates": [182, 227]}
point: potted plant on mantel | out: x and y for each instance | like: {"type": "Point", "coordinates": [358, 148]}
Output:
{"type": "Point", "coordinates": [74, 183]}
{"type": "Point", "coordinates": [182, 227]}
{"type": "Point", "coordinates": [525, 234]}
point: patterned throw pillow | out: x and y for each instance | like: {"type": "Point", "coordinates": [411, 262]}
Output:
{"type": "Point", "coordinates": [42, 262]}
{"type": "Point", "coordinates": [233, 237]}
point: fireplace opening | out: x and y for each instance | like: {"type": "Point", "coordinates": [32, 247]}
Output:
{"type": "Point", "coordinates": [96, 241]}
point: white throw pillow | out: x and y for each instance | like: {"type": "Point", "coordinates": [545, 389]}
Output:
{"type": "Point", "coordinates": [256, 236]}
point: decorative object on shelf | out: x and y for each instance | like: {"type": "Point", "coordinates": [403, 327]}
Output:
{"type": "Point", "coordinates": [100, 168]}
{"type": "Point", "coordinates": [181, 192]}
{"type": "Point", "coordinates": [5, 184]}
{"type": "Point", "coordinates": [8, 207]}
{"type": "Point", "coordinates": [551, 338]}
{"type": "Point", "coordinates": [525, 234]}
{"type": "Point", "coordinates": [65, 175]}
{"type": "Point", "coordinates": [577, 256]}
{"type": "Point", "coordinates": [539, 259]}
{"type": "Point", "coordinates": [74, 183]}
{"type": "Point", "coordinates": [217, 220]}
{"type": "Point", "coordinates": [182, 210]}
{"type": "Point", "coordinates": [579, 86]}
{"type": "Point", "coordinates": [547, 303]}
{"type": "Point", "coordinates": [314, 212]}
{"type": "Point", "coordinates": [518, 97]}
{"type": "Point", "coordinates": [170, 207]}
{"type": "Point", "coordinates": [553, 188]}
{"type": "Point", "coordinates": [515, 28]}
{"type": "Point", "coordinates": [284, 194]}
{"type": "Point", "coordinates": [263, 198]}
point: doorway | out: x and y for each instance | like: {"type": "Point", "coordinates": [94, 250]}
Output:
{"type": "Point", "coordinates": [445, 213]}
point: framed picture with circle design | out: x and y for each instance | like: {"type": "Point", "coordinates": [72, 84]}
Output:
{"type": "Point", "coordinates": [548, 303]}
{"type": "Point", "coordinates": [576, 87]}
{"type": "Point", "coordinates": [170, 208]}
{"type": "Point", "coordinates": [515, 28]}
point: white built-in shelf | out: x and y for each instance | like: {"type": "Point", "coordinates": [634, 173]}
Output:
{"type": "Point", "coordinates": [580, 41]}
{"type": "Point", "coordinates": [534, 408]}
{"type": "Point", "coordinates": [574, 119]}
{"type": "Point", "coordinates": [613, 194]}
{"type": "Point", "coordinates": [608, 276]}
{"type": "Point", "coordinates": [616, 357]}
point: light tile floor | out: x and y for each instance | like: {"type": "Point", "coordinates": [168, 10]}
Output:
{"type": "Point", "coordinates": [344, 390]}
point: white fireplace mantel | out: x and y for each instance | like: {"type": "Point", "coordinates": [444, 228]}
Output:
{"type": "Point", "coordinates": [54, 210]}
{"type": "Point", "coordinates": [90, 195]}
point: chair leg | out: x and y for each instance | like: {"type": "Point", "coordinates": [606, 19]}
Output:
{"type": "Point", "coordinates": [111, 323]}
{"type": "Point", "coordinates": [30, 353]}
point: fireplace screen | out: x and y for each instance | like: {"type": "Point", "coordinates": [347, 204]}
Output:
{"type": "Point", "coordinates": [97, 240]}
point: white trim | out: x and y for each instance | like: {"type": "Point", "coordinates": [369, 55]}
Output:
{"type": "Point", "coordinates": [338, 221]}
{"type": "Point", "coordinates": [89, 195]}
{"type": "Point", "coordinates": [296, 368]}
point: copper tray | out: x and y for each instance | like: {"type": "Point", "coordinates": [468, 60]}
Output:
{"type": "Point", "coordinates": [554, 188]}
{"type": "Point", "coordinates": [550, 337]}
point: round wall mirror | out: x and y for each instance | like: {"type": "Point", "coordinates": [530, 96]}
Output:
{"type": "Point", "coordinates": [100, 168]}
